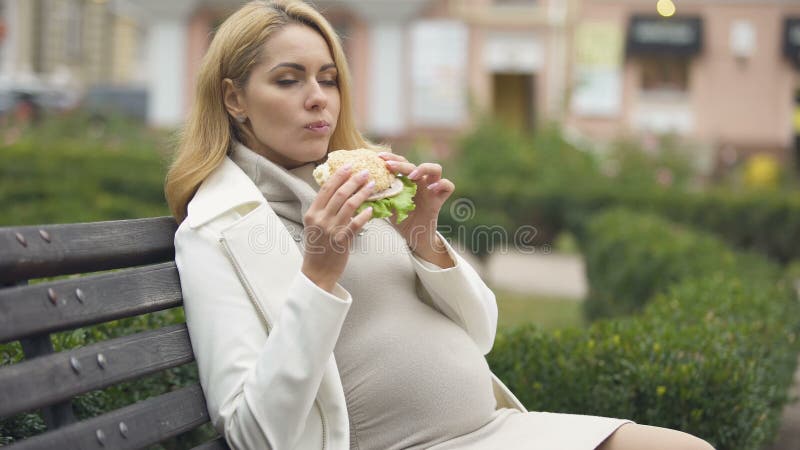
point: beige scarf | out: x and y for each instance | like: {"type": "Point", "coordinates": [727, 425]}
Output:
{"type": "Point", "coordinates": [288, 191]}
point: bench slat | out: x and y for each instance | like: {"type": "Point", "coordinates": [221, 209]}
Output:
{"type": "Point", "coordinates": [48, 379]}
{"type": "Point", "coordinates": [47, 250]}
{"type": "Point", "coordinates": [217, 444]}
{"type": "Point", "coordinates": [145, 423]}
{"type": "Point", "coordinates": [55, 306]}
{"type": "Point", "coordinates": [58, 414]}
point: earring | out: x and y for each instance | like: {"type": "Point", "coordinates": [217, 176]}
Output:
{"type": "Point", "coordinates": [241, 118]}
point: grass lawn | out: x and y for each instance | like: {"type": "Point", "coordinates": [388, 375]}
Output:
{"type": "Point", "coordinates": [548, 312]}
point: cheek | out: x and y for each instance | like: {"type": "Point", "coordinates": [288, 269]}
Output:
{"type": "Point", "coordinates": [334, 106]}
{"type": "Point", "coordinates": [268, 115]}
{"type": "Point", "coordinates": [267, 106]}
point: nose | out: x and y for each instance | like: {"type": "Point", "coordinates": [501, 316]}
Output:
{"type": "Point", "coordinates": [316, 99]}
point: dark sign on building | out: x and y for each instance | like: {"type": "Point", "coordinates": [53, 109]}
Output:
{"type": "Point", "coordinates": [649, 35]}
{"type": "Point", "coordinates": [791, 40]}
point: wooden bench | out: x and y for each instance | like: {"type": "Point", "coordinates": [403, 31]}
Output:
{"type": "Point", "coordinates": [147, 281]}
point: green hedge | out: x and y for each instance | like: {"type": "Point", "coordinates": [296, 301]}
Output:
{"type": "Point", "coordinates": [630, 257]}
{"type": "Point", "coordinates": [65, 172]}
{"type": "Point", "coordinates": [75, 170]}
{"type": "Point", "coordinates": [515, 180]}
{"type": "Point", "coordinates": [762, 221]}
{"type": "Point", "coordinates": [713, 352]}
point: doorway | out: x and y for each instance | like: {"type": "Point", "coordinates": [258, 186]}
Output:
{"type": "Point", "coordinates": [514, 98]}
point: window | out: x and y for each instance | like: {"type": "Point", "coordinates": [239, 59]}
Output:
{"type": "Point", "coordinates": [665, 74]}
{"type": "Point", "coordinates": [439, 56]}
{"type": "Point", "coordinates": [73, 26]}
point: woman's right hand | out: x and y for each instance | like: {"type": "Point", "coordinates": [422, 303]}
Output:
{"type": "Point", "coordinates": [329, 225]}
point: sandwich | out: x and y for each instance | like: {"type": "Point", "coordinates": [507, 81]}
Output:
{"type": "Point", "coordinates": [393, 193]}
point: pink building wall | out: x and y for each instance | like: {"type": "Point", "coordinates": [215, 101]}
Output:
{"type": "Point", "coordinates": [746, 103]}
{"type": "Point", "coordinates": [199, 30]}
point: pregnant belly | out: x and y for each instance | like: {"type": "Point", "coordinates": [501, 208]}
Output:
{"type": "Point", "coordinates": [412, 378]}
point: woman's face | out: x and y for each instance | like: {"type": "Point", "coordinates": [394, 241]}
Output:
{"type": "Point", "coordinates": [291, 98]}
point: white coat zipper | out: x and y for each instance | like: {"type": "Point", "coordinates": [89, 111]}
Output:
{"type": "Point", "coordinates": [263, 316]}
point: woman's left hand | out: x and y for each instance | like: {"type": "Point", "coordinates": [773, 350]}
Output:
{"type": "Point", "coordinates": [419, 228]}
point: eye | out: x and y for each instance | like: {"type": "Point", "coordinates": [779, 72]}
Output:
{"type": "Point", "coordinates": [286, 82]}
{"type": "Point", "coordinates": [329, 82]}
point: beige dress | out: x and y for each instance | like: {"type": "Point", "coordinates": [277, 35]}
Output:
{"type": "Point", "coordinates": [412, 378]}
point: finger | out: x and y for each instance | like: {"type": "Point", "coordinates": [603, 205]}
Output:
{"type": "Point", "coordinates": [443, 185]}
{"type": "Point", "coordinates": [354, 202]}
{"type": "Point", "coordinates": [431, 172]}
{"type": "Point", "coordinates": [331, 185]}
{"type": "Point", "coordinates": [346, 233]}
{"type": "Point", "coordinates": [345, 191]}
{"type": "Point", "coordinates": [361, 219]}
{"type": "Point", "coordinates": [392, 157]}
{"type": "Point", "coordinates": [403, 167]}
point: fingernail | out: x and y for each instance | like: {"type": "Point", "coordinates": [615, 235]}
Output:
{"type": "Point", "coordinates": [391, 163]}
{"type": "Point", "coordinates": [369, 209]}
{"type": "Point", "coordinates": [432, 185]}
{"type": "Point", "coordinates": [370, 185]}
{"type": "Point", "coordinates": [347, 167]}
{"type": "Point", "coordinates": [363, 174]}
{"type": "Point", "coordinates": [413, 175]}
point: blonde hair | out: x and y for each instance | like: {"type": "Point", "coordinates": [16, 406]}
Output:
{"type": "Point", "coordinates": [236, 48]}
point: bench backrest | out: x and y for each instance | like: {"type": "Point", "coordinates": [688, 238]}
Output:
{"type": "Point", "coordinates": [140, 277]}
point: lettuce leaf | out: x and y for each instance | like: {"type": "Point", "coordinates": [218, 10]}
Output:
{"type": "Point", "coordinates": [402, 203]}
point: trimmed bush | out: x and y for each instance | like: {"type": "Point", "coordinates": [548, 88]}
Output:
{"type": "Point", "coordinates": [81, 176]}
{"type": "Point", "coordinates": [712, 354]}
{"type": "Point", "coordinates": [543, 181]}
{"type": "Point", "coordinates": [765, 222]}
{"type": "Point", "coordinates": [495, 171]}
{"type": "Point", "coordinates": [761, 221]}
{"type": "Point", "coordinates": [624, 276]}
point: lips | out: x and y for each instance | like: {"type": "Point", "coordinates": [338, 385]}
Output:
{"type": "Point", "coordinates": [319, 125]}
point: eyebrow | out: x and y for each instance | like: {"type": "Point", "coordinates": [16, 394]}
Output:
{"type": "Point", "coordinates": [303, 68]}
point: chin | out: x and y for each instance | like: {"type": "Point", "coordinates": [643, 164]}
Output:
{"type": "Point", "coordinates": [321, 153]}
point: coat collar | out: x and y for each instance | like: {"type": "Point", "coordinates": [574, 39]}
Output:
{"type": "Point", "coordinates": [289, 192]}
{"type": "Point", "coordinates": [226, 188]}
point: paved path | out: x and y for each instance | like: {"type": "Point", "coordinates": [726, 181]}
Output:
{"type": "Point", "coordinates": [563, 276]}
{"type": "Point", "coordinates": [551, 275]}
{"type": "Point", "coordinates": [554, 275]}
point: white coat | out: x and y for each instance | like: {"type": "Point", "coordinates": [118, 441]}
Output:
{"type": "Point", "coordinates": [263, 334]}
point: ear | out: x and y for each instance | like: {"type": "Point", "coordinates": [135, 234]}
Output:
{"type": "Point", "coordinates": [233, 98]}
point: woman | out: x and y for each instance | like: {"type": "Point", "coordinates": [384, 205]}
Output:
{"type": "Point", "coordinates": [312, 328]}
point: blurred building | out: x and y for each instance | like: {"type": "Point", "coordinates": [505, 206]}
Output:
{"type": "Point", "coordinates": [722, 72]}
{"type": "Point", "coordinates": [719, 72]}
{"type": "Point", "coordinates": [420, 67]}
{"type": "Point", "coordinates": [470, 58]}
{"type": "Point", "coordinates": [65, 48]}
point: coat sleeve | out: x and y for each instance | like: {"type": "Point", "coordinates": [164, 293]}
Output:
{"type": "Point", "coordinates": [260, 386]}
{"type": "Point", "coordinates": [460, 294]}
